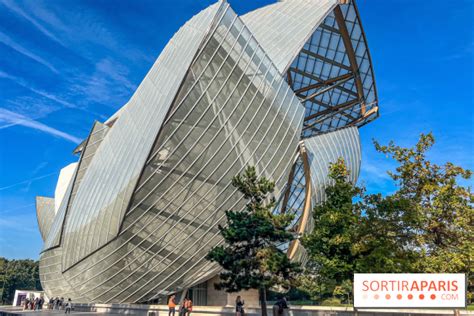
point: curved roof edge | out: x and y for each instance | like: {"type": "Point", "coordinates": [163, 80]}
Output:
{"type": "Point", "coordinates": [44, 214]}
{"type": "Point", "coordinates": [112, 175]}
{"type": "Point", "coordinates": [283, 28]}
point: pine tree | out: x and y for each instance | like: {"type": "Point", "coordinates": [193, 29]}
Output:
{"type": "Point", "coordinates": [250, 257]}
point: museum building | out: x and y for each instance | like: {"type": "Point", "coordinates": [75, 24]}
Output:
{"type": "Point", "coordinates": [284, 88]}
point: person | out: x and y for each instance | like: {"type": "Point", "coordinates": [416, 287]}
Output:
{"type": "Point", "coordinates": [182, 310]}
{"type": "Point", "coordinates": [27, 303]}
{"type": "Point", "coordinates": [50, 304]}
{"type": "Point", "coordinates": [239, 306]}
{"type": "Point", "coordinates": [56, 303]}
{"type": "Point", "coordinates": [37, 304]}
{"type": "Point", "coordinates": [281, 307]}
{"type": "Point", "coordinates": [41, 302]}
{"type": "Point", "coordinates": [68, 306]}
{"type": "Point", "coordinates": [171, 305]}
{"type": "Point", "coordinates": [61, 303]}
{"type": "Point", "coordinates": [189, 307]}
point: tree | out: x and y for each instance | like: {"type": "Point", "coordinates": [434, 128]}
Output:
{"type": "Point", "coordinates": [441, 208]}
{"type": "Point", "coordinates": [250, 257]}
{"type": "Point", "coordinates": [426, 223]}
{"type": "Point", "coordinates": [18, 274]}
{"type": "Point", "coordinates": [330, 245]}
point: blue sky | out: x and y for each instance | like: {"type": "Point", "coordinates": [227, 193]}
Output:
{"type": "Point", "coordinates": [64, 64]}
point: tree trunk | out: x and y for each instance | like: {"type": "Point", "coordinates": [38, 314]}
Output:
{"type": "Point", "coordinates": [263, 300]}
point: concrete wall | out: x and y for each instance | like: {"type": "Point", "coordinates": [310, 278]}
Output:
{"type": "Point", "coordinates": [222, 298]}
{"type": "Point", "coordinates": [162, 310]}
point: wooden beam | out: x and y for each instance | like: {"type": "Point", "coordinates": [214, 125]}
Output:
{"type": "Point", "coordinates": [329, 28]}
{"type": "Point", "coordinates": [289, 79]}
{"type": "Point", "coordinates": [324, 83]}
{"type": "Point", "coordinates": [341, 23]}
{"type": "Point", "coordinates": [336, 108]}
{"type": "Point", "coordinates": [325, 59]}
{"type": "Point", "coordinates": [332, 86]}
{"type": "Point", "coordinates": [307, 202]}
{"type": "Point", "coordinates": [311, 76]}
{"type": "Point", "coordinates": [373, 110]}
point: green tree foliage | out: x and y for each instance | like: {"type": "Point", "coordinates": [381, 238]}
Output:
{"type": "Point", "coordinates": [250, 257]}
{"type": "Point", "coordinates": [16, 275]}
{"type": "Point", "coordinates": [441, 210]}
{"type": "Point", "coordinates": [427, 225]}
{"type": "Point", "coordinates": [330, 244]}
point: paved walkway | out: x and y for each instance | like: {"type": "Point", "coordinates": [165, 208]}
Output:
{"type": "Point", "coordinates": [10, 310]}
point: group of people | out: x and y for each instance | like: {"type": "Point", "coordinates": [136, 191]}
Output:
{"type": "Point", "coordinates": [59, 304]}
{"type": "Point", "coordinates": [280, 308]}
{"type": "Point", "coordinates": [185, 308]}
{"type": "Point", "coordinates": [53, 304]}
{"type": "Point", "coordinates": [33, 304]}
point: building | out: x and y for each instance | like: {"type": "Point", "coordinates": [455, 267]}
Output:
{"type": "Point", "coordinates": [283, 88]}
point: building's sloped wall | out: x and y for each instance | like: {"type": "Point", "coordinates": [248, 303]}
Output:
{"type": "Point", "coordinates": [328, 148]}
{"type": "Point", "coordinates": [234, 109]}
{"type": "Point", "coordinates": [283, 28]}
{"type": "Point", "coordinates": [44, 214]}
{"type": "Point", "coordinates": [96, 213]}
{"type": "Point", "coordinates": [52, 279]}
{"type": "Point", "coordinates": [83, 233]}
{"type": "Point", "coordinates": [53, 238]}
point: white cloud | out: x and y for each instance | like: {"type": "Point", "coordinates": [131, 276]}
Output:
{"type": "Point", "coordinates": [11, 118]}
{"type": "Point", "coordinates": [42, 93]}
{"type": "Point", "coordinates": [15, 8]}
{"type": "Point", "coordinates": [22, 50]}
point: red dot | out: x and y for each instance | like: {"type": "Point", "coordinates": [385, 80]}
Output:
{"type": "Point", "coordinates": [376, 296]}
{"type": "Point", "coordinates": [387, 296]}
{"type": "Point", "coordinates": [422, 296]}
{"type": "Point", "coordinates": [433, 296]}
{"type": "Point", "coordinates": [399, 296]}
{"type": "Point", "coordinates": [410, 296]}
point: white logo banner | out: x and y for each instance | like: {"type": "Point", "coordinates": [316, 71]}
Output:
{"type": "Point", "coordinates": [409, 290]}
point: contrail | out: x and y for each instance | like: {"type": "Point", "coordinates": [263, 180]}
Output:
{"type": "Point", "coordinates": [29, 180]}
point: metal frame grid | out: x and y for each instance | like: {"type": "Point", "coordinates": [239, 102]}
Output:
{"type": "Point", "coordinates": [333, 75]}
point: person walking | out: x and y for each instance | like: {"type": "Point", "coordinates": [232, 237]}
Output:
{"type": "Point", "coordinates": [182, 309]}
{"type": "Point", "coordinates": [27, 303]}
{"type": "Point", "coordinates": [189, 307]}
{"type": "Point", "coordinates": [239, 306]}
{"type": "Point", "coordinates": [37, 304]}
{"type": "Point", "coordinates": [281, 307]}
{"type": "Point", "coordinates": [68, 306]}
{"type": "Point", "coordinates": [171, 305]}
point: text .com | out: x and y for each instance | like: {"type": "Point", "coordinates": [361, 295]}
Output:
{"type": "Point", "coordinates": [402, 290]}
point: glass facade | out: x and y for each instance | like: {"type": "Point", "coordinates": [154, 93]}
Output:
{"type": "Point", "coordinates": [153, 183]}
